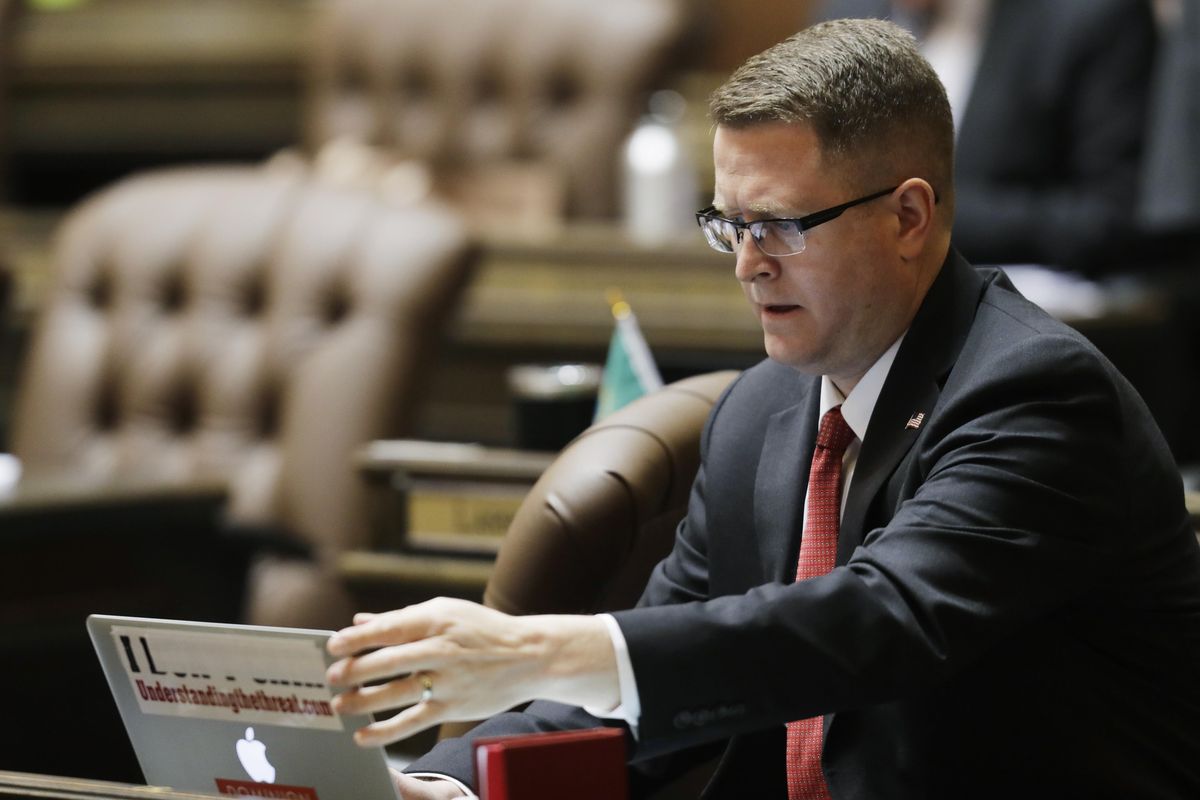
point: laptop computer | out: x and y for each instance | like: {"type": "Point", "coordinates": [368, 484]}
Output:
{"type": "Point", "coordinates": [235, 709]}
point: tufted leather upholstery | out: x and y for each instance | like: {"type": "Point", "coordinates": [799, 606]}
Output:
{"type": "Point", "coordinates": [458, 83]}
{"type": "Point", "coordinates": [596, 522]}
{"type": "Point", "coordinates": [234, 324]}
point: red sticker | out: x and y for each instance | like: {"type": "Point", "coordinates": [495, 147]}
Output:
{"type": "Point", "coordinates": [252, 789]}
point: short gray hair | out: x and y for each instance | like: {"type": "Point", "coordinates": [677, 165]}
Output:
{"type": "Point", "coordinates": [862, 85]}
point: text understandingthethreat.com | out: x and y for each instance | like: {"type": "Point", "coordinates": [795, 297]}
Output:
{"type": "Point", "coordinates": [235, 701]}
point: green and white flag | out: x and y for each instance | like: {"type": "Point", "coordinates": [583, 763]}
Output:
{"type": "Point", "coordinates": [629, 370]}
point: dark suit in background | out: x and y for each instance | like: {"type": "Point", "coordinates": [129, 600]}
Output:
{"type": "Point", "coordinates": [1171, 186]}
{"type": "Point", "coordinates": [1016, 611]}
{"type": "Point", "coordinates": [1050, 144]}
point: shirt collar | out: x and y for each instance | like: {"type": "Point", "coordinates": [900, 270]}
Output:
{"type": "Point", "coordinates": [858, 406]}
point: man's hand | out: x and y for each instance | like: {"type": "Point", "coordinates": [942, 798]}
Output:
{"type": "Point", "coordinates": [424, 789]}
{"type": "Point", "coordinates": [449, 659]}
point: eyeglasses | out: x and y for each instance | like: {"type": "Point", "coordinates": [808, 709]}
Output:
{"type": "Point", "coordinates": [774, 237]}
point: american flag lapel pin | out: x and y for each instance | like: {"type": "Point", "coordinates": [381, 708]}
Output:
{"type": "Point", "coordinates": [915, 420]}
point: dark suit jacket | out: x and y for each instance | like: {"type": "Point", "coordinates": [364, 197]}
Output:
{"type": "Point", "coordinates": [1016, 610]}
{"type": "Point", "coordinates": [1050, 144]}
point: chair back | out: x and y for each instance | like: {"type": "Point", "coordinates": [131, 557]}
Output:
{"type": "Point", "coordinates": [597, 521]}
{"type": "Point", "coordinates": [241, 326]}
{"type": "Point", "coordinates": [460, 83]}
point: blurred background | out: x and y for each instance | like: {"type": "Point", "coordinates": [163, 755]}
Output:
{"type": "Point", "coordinates": [259, 259]}
{"type": "Point", "coordinates": [300, 297]}
{"type": "Point", "coordinates": [101, 89]}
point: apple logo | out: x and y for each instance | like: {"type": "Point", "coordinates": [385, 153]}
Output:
{"type": "Point", "coordinates": [253, 755]}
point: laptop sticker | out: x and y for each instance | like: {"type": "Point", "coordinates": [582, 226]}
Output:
{"type": "Point", "coordinates": [248, 679]}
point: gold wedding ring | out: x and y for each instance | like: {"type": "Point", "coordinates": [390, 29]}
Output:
{"type": "Point", "coordinates": [426, 686]}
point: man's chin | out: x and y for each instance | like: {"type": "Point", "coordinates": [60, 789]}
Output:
{"type": "Point", "coordinates": [803, 362]}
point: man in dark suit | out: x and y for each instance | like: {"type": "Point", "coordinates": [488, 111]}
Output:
{"type": "Point", "coordinates": [1053, 118]}
{"type": "Point", "coordinates": [937, 547]}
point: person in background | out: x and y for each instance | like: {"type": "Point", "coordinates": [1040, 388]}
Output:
{"type": "Point", "coordinates": [1051, 101]}
{"type": "Point", "coordinates": [1170, 205]}
{"type": "Point", "coordinates": [937, 547]}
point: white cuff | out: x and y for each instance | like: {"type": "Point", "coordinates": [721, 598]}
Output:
{"type": "Point", "coordinates": [629, 707]}
{"type": "Point", "coordinates": [470, 794]}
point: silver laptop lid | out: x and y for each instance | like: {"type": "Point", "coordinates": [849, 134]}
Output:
{"type": "Point", "coordinates": [235, 709]}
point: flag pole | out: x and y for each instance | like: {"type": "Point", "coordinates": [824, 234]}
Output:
{"type": "Point", "coordinates": [629, 369]}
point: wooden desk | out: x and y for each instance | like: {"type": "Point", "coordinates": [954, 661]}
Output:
{"type": "Point", "coordinates": [108, 86]}
{"type": "Point", "coordinates": [383, 581]}
{"type": "Point", "coordinates": [398, 571]}
{"type": "Point", "coordinates": [544, 302]}
{"type": "Point", "coordinates": [534, 293]}
{"type": "Point", "coordinates": [150, 76]}
{"type": "Point", "coordinates": [68, 550]}
{"type": "Point", "coordinates": [69, 547]}
{"type": "Point", "coordinates": [440, 497]}
{"type": "Point", "coordinates": [32, 785]}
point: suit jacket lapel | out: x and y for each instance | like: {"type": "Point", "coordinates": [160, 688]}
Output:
{"type": "Point", "coordinates": [780, 480]}
{"type": "Point", "coordinates": [911, 388]}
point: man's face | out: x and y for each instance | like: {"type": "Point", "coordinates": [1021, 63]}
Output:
{"type": "Point", "coordinates": [836, 307]}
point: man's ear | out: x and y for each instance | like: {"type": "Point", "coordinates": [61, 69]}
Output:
{"type": "Point", "coordinates": [917, 203]}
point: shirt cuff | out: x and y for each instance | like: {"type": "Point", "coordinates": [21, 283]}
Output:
{"type": "Point", "coordinates": [629, 707]}
{"type": "Point", "coordinates": [438, 776]}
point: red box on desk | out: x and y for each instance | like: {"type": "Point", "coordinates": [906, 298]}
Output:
{"type": "Point", "coordinates": [581, 765]}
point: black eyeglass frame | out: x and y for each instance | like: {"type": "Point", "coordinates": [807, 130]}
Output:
{"type": "Point", "coordinates": [804, 224]}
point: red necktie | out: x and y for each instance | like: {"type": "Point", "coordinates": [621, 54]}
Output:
{"type": "Point", "coordinates": [818, 552]}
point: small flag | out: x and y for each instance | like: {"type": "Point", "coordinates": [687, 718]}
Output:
{"type": "Point", "coordinates": [915, 421]}
{"type": "Point", "coordinates": [629, 370]}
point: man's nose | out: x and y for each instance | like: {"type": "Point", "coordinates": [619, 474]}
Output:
{"type": "Point", "coordinates": [752, 262]}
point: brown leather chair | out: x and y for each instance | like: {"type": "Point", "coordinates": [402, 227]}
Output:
{"type": "Point", "coordinates": [459, 83]}
{"type": "Point", "coordinates": [605, 512]}
{"type": "Point", "coordinates": [590, 531]}
{"type": "Point", "coordinates": [243, 326]}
